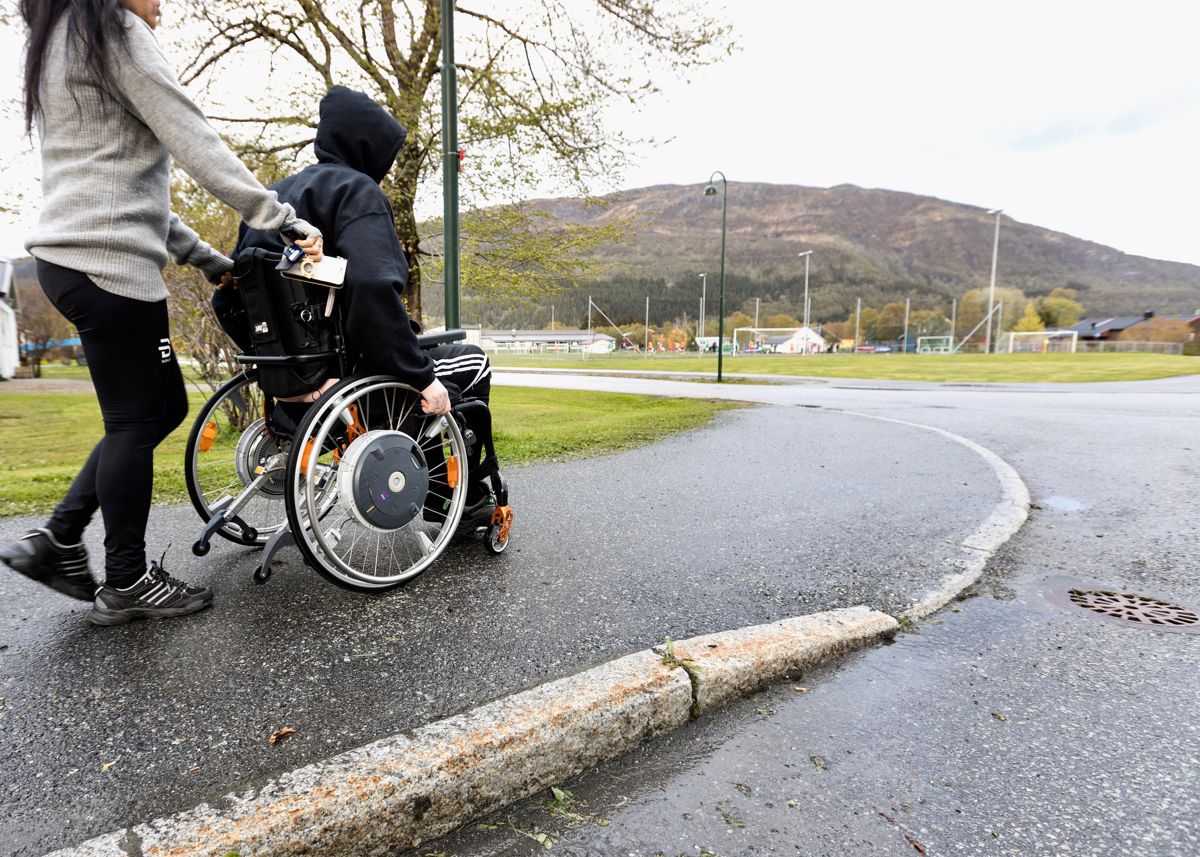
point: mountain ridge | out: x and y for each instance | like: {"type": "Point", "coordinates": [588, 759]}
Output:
{"type": "Point", "coordinates": [896, 244]}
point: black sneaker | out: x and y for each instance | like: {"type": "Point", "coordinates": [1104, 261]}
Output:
{"type": "Point", "coordinates": [476, 516]}
{"type": "Point", "coordinates": [155, 595]}
{"type": "Point", "coordinates": [39, 556]}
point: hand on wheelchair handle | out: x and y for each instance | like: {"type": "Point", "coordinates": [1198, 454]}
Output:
{"type": "Point", "coordinates": [305, 236]}
{"type": "Point", "coordinates": [313, 247]}
{"type": "Point", "coordinates": [435, 399]}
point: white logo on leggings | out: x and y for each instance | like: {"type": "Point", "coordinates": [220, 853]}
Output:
{"type": "Point", "coordinates": [164, 349]}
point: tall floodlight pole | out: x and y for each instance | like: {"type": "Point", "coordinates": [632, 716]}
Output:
{"type": "Point", "coordinates": [806, 255]}
{"type": "Point", "coordinates": [646, 334]}
{"type": "Point", "coordinates": [857, 317]}
{"type": "Point", "coordinates": [953, 323]}
{"type": "Point", "coordinates": [587, 347]}
{"type": "Point", "coordinates": [711, 190]}
{"type": "Point", "coordinates": [450, 165]}
{"type": "Point", "coordinates": [987, 340]}
{"type": "Point", "coordinates": [703, 295]}
{"type": "Point", "coordinates": [907, 307]}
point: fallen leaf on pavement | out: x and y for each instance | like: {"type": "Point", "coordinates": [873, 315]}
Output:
{"type": "Point", "coordinates": [104, 768]}
{"type": "Point", "coordinates": [279, 733]}
{"type": "Point", "coordinates": [1002, 718]}
{"type": "Point", "coordinates": [800, 689]}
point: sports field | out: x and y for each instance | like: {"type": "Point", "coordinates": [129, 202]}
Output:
{"type": "Point", "coordinates": [979, 368]}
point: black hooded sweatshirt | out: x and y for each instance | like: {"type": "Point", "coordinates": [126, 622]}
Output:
{"type": "Point", "coordinates": [357, 143]}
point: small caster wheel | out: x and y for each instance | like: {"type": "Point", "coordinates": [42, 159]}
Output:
{"type": "Point", "coordinates": [201, 548]}
{"type": "Point", "coordinates": [492, 540]}
{"type": "Point", "coordinates": [262, 575]}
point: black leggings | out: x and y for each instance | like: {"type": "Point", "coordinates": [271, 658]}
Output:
{"type": "Point", "coordinates": [142, 399]}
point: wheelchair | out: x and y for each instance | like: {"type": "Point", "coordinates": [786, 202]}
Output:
{"type": "Point", "coordinates": [368, 488]}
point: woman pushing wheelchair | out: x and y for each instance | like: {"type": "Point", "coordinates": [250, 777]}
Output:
{"type": "Point", "coordinates": [110, 115]}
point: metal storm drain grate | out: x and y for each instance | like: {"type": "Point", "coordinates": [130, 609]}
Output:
{"type": "Point", "coordinates": [1137, 610]}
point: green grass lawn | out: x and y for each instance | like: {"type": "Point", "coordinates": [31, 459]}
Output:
{"type": "Point", "coordinates": [44, 439]}
{"type": "Point", "coordinates": [68, 372]}
{"type": "Point", "coordinates": [75, 372]}
{"type": "Point", "coordinates": [1011, 368]}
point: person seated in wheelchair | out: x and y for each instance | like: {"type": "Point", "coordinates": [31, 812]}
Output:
{"type": "Point", "coordinates": [356, 145]}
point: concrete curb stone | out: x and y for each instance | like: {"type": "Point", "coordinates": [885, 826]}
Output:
{"type": "Point", "coordinates": [1005, 519]}
{"type": "Point", "coordinates": [730, 664]}
{"type": "Point", "coordinates": [404, 790]}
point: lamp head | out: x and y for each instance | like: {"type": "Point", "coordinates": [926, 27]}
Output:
{"type": "Point", "coordinates": [710, 191]}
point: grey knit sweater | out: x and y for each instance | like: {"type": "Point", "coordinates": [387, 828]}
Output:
{"type": "Point", "coordinates": [106, 154]}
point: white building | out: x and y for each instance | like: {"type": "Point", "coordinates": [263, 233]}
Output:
{"type": "Point", "coordinates": [547, 341]}
{"type": "Point", "coordinates": [9, 346]}
{"type": "Point", "coordinates": [804, 339]}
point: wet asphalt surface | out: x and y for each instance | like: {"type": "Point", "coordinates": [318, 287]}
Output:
{"type": "Point", "coordinates": [770, 512]}
{"type": "Point", "coordinates": [1008, 724]}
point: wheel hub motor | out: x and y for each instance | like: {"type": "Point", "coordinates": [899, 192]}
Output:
{"type": "Point", "coordinates": [254, 448]}
{"type": "Point", "coordinates": [383, 479]}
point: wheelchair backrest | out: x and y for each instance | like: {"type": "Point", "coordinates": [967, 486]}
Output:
{"type": "Point", "coordinates": [285, 318]}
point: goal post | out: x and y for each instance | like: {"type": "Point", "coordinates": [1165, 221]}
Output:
{"type": "Point", "coordinates": [935, 344]}
{"type": "Point", "coordinates": [1040, 342]}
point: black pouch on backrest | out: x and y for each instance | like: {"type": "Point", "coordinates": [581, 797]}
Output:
{"type": "Point", "coordinates": [230, 310]}
{"type": "Point", "coordinates": [284, 317]}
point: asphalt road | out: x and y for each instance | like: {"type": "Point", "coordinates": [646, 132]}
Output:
{"type": "Point", "coordinates": [1007, 725]}
{"type": "Point", "coordinates": [770, 512]}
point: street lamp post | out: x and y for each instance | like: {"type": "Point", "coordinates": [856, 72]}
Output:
{"type": "Point", "coordinates": [987, 339]}
{"type": "Point", "coordinates": [711, 190]}
{"type": "Point", "coordinates": [449, 167]}
{"type": "Point", "coordinates": [806, 255]}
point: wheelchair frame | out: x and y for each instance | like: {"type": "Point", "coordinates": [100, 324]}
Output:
{"type": "Point", "coordinates": [306, 470]}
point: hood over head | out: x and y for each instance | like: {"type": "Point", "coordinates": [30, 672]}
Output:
{"type": "Point", "coordinates": [357, 132]}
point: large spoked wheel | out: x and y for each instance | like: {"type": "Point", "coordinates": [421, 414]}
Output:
{"type": "Point", "coordinates": [228, 442]}
{"type": "Point", "coordinates": [375, 487]}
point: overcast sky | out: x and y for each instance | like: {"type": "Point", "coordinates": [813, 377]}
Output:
{"type": "Point", "coordinates": [1082, 117]}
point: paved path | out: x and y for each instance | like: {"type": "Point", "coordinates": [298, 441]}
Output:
{"type": "Point", "coordinates": [770, 512]}
{"type": "Point", "coordinates": [1007, 725]}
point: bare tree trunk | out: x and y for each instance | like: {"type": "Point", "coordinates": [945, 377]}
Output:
{"type": "Point", "coordinates": [402, 191]}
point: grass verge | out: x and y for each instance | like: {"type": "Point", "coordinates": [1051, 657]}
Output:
{"type": "Point", "coordinates": [962, 368]}
{"type": "Point", "coordinates": [44, 439]}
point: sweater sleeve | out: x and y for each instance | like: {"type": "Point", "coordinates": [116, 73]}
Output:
{"type": "Point", "coordinates": [377, 323]}
{"type": "Point", "coordinates": [187, 248]}
{"type": "Point", "coordinates": [146, 83]}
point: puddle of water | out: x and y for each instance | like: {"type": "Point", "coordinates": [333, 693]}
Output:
{"type": "Point", "coordinates": [1061, 504]}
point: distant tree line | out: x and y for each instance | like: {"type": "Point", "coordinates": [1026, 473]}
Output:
{"type": "Point", "coordinates": [779, 302]}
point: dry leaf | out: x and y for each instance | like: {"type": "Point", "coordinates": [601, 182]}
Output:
{"type": "Point", "coordinates": [104, 767]}
{"type": "Point", "coordinates": [279, 733]}
{"type": "Point", "coordinates": [799, 689]}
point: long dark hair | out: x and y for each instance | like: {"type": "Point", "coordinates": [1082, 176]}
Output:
{"type": "Point", "coordinates": [92, 25]}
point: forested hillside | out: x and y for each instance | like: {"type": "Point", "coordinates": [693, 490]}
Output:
{"type": "Point", "coordinates": [875, 244]}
